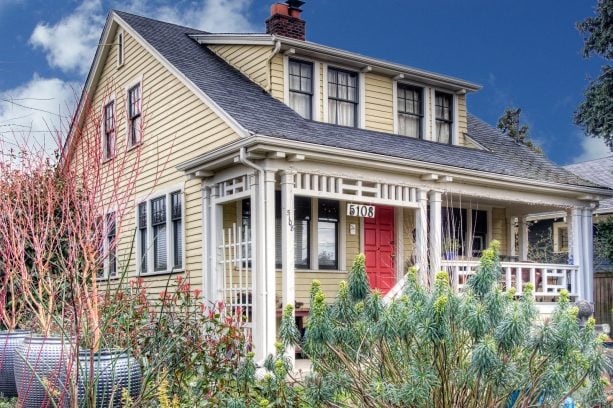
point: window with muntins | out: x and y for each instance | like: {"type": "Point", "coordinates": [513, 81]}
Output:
{"type": "Point", "coordinates": [109, 130]}
{"type": "Point", "coordinates": [343, 97]}
{"type": "Point", "coordinates": [160, 234]}
{"type": "Point", "coordinates": [301, 87]}
{"type": "Point", "coordinates": [120, 49]}
{"type": "Point", "coordinates": [443, 117]}
{"type": "Point", "coordinates": [410, 111]}
{"type": "Point", "coordinates": [135, 115]}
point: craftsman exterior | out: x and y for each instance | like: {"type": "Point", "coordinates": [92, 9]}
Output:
{"type": "Point", "coordinates": [284, 159]}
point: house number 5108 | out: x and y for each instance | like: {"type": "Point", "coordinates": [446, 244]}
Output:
{"type": "Point", "coordinates": [360, 210]}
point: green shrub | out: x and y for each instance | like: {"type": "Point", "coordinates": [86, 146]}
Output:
{"type": "Point", "coordinates": [435, 347]}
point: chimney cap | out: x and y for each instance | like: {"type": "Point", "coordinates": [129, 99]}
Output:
{"type": "Point", "coordinates": [295, 4]}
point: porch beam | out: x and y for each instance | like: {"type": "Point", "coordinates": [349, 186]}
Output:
{"type": "Point", "coordinates": [421, 236]}
{"type": "Point", "coordinates": [287, 254]}
{"type": "Point", "coordinates": [435, 234]}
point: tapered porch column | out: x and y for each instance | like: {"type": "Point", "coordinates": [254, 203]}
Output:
{"type": "Point", "coordinates": [588, 255]}
{"type": "Point", "coordinates": [523, 238]}
{"type": "Point", "coordinates": [575, 246]}
{"type": "Point", "coordinates": [287, 239]}
{"type": "Point", "coordinates": [435, 234]}
{"type": "Point", "coordinates": [421, 236]}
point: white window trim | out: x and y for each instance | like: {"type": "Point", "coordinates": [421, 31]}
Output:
{"type": "Point", "coordinates": [109, 99]}
{"type": "Point", "coordinates": [455, 111]}
{"type": "Point", "coordinates": [556, 242]}
{"type": "Point", "coordinates": [361, 110]}
{"type": "Point", "coordinates": [129, 85]}
{"type": "Point", "coordinates": [105, 247]}
{"type": "Point", "coordinates": [121, 48]}
{"type": "Point", "coordinates": [316, 83]}
{"type": "Point", "coordinates": [170, 255]}
{"type": "Point", "coordinates": [324, 91]}
{"type": "Point", "coordinates": [425, 102]}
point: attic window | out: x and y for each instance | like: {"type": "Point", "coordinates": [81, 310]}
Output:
{"type": "Point", "coordinates": [120, 50]}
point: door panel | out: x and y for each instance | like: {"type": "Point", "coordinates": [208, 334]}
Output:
{"type": "Point", "coordinates": [379, 249]}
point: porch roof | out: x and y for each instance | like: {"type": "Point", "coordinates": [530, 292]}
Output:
{"type": "Point", "coordinates": [261, 114]}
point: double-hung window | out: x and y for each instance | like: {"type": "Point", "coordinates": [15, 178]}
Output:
{"type": "Point", "coordinates": [301, 87]}
{"type": "Point", "coordinates": [135, 115]}
{"type": "Point", "coordinates": [160, 234]}
{"type": "Point", "coordinates": [109, 130]}
{"type": "Point", "coordinates": [410, 111]}
{"type": "Point", "coordinates": [443, 117]}
{"type": "Point", "coordinates": [343, 97]}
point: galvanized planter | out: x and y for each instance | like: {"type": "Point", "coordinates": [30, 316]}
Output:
{"type": "Point", "coordinates": [41, 372]}
{"type": "Point", "coordinates": [9, 340]}
{"type": "Point", "coordinates": [113, 372]}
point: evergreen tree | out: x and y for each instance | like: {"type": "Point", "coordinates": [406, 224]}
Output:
{"type": "Point", "coordinates": [595, 113]}
{"type": "Point", "coordinates": [509, 124]}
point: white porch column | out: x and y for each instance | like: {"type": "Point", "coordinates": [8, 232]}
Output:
{"type": "Point", "coordinates": [206, 237]}
{"type": "Point", "coordinates": [588, 255]}
{"type": "Point", "coordinates": [511, 235]}
{"type": "Point", "coordinates": [435, 234]}
{"type": "Point", "coordinates": [287, 239]}
{"type": "Point", "coordinates": [258, 248]}
{"type": "Point", "coordinates": [421, 236]}
{"type": "Point", "coordinates": [269, 270]}
{"type": "Point", "coordinates": [523, 238]}
{"type": "Point", "coordinates": [214, 232]}
{"type": "Point", "coordinates": [574, 221]}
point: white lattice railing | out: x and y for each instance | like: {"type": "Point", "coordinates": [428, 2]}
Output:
{"type": "Point", "coordinates": [349, 189]}
{"type": "Point", "coordinates": [238, 273]}
{"type": "Point", "coordinates": [547, 279]}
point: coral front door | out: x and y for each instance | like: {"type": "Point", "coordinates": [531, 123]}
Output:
{"type": "Point", "coordinates": [379, 249]}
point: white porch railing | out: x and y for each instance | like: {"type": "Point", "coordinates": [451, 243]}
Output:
{"type": "Point", "coordinates": [547, 279]}
{"type": "Point", "coordinates": [238, 276]}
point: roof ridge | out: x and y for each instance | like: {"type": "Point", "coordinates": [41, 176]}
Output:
{"type": "Point", "coordinates": [589, 161]}
{"type": "Point", "coordinates": [120, 12]}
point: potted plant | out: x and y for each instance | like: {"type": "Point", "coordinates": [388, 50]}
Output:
{"type": "Point", "coordinates": [32, 229]}
{"type": "Point", "coordinates": [450, 248]}
{"type": "Point", "coordinates": [10, 307]}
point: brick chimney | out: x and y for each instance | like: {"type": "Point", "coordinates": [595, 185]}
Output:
{"type": "Point", "coordinates": [285, 20]}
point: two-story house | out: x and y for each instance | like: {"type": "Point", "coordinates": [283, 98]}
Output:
{"type": "Point", "coordinates": [284, 159]}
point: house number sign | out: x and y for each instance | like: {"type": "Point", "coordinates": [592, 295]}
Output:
{"type": "Point", "coordinates": [361, 210]}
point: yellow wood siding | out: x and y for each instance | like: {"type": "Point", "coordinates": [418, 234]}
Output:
{"type": "Point", "coordinates": [500, 229]}
{"type": "Point", "coordinates": [178, 126]}
{"type": "Point", "coordinates": [251, 60]}
{"type": "Point", "coordinates": [277, 84]}
{"type": "Point", "coordinates": [462, 122]}
{"type": "Point", "coordinates": [379, 103]}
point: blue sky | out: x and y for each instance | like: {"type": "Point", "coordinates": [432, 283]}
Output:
{"type": "Point", "coordinates": [524, 53]}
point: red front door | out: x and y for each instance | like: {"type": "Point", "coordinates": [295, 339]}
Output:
{"type": "Point", "coordinates": [379, 249]}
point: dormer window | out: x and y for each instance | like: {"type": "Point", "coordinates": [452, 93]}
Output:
{"type": "Point", "coordinates": [410, 111]}
{"type": "Point", "coordinates": [301, 87]}
{"type": "Point", "coordinates": [443, 117]}
{"type": "Point", "coordinates": [343, 97]}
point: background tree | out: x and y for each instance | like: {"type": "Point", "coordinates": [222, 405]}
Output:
{"type": "Point", "coordinates": [595, 113]}
{"type": "Point", "coordinates": [509, 124]}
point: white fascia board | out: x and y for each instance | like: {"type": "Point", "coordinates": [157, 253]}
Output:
{"type": "Point", "coordinates": [234, 39]}
{"type": "Point", "coordinates": [233, 123]}
{"type": "Point", "coordinates": [376, 161]}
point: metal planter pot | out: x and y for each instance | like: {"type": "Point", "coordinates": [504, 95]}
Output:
{"type": "Point", "coordinates": [113, 372]}
{"type": "Point", "coordinates": [42, 367]}
{"type": "Point", "coordinates": [9, 340]}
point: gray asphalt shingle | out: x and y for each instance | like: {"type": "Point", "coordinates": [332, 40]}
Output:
{"type": "Point", "coordinates": [599, 171]}
{"type": "Point", "coordinates": [260, 113]}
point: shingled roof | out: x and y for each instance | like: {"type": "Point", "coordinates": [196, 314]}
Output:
{"type": "Point", "coordinates": [259, 113]}
{"type": "Point", "coordinates": [599, 171]}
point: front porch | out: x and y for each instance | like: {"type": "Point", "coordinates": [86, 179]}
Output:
{"type": "Point", "coordinates": [271, 228]}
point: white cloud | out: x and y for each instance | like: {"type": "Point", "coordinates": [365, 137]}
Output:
{"type": "Point", "coordinates": [36, 111]}
{"type": "Point", "coordinates": [211, 15]}
{"type": "Point", "coordinates": [70, 43]}
{"type": "Point", "coordinates": [592, 148]}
